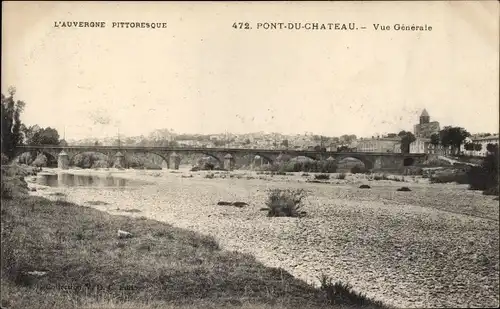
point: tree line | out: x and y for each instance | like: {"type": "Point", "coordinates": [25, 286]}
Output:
{"type": "Point", "coordinates": [15, 133]}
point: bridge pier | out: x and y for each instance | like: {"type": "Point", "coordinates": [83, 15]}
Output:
{"type": "Point", "coordinates": [228, 162]}
{"type": "Point", "coordinates": [175, 161]}
{"type": "Point", "coordinates": [257, 161]}
{"type": "Point", "coordinates": [63, 160]}
{"type": "Point", "coordinates": [119, 160]}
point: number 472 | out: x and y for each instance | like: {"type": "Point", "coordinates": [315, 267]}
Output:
{"type": "Point", "coordinates": [241, 25]}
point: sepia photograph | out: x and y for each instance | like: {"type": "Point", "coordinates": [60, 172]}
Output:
{"type": "Point", "coordinates": [257, 155]}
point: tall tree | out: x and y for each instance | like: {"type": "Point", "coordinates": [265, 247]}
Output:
{"type": "Point", "coordinates": [453, 137]}
{"type": "Point", "coordinates": [47, 136]}
{"type": "Point", "coordinates": [406, 139]}
{"type": "Point", "coordinates": [11, 134]}
{"type": "Point", "coordinates": [29, 133]}
{"type": "Point", "coordinates": [435, 140]}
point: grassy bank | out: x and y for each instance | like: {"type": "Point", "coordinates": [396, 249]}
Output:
{"type": "Point", "coordinates": [59, 255]}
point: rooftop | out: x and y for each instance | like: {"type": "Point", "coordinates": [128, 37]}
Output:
{"type": "Point", "coordinates": [424, 113]}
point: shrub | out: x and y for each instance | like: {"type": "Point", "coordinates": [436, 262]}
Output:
{"type": "Point", "coordinates": [100, 164]}
{"type": "Point", "coordinates": [357, 169]}
{"type": "Point", "coordinates": [285, 203]}
{"type": "Point", "coordinates": [309, 167]}
{"type": "Point", "coordinates": [40, 161]}
{"type": "Point", "coordinates": [322, 177]}
{"type": "Point", "coordinates": [485, 176]}
{"type": "Point", "coordinates": [210, 175]}
{"type": "Point", "coordinates": [381, 177]}
{"type": "Point", "coordinates": [5, 159]}
{"type": "Point", "coordinates": [413, 171]}
{"type": "Point", "coordinates": [7, 191]}
{"type": "Point", "coordinates": [341, 176]}
{"type": "Point", "coordinates": [404, 189]}
{"type": "Point", "coordinates": [458, 177]}
{"type": "Point", "coordinates": [342, 293]}
{"type": "Point", "coordinates": [364, 187]}
{"type": "Point", "coordinates": [491, 191]}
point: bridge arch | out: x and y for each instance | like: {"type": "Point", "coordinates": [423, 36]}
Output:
{"type": "Point", "coordinates": [266, 157]}
{"type": "Point", "coordinates": [219, 161]}
{"type": "Point", "coordinates": [164, 157]}
{"type": "Point", "coordinates": [73, 155]}
{"type": "Point", "coordinates": [51, 157]}
{"type": "Point", "coordinates": [408, 161]}
{"type": "Point", "coordinates": [368, 164]}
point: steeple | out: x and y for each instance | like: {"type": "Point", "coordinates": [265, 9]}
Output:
{"type": "Point", "coordinates": [424, 117]}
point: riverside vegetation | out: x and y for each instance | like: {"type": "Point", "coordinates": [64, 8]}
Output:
{"type": "Point", "coordinates": [60, 255]}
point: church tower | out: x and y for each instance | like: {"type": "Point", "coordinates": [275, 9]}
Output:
{"type": "Point", "coordinates": [424, 117]}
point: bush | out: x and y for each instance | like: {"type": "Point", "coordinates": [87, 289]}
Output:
{"type": "Point", "coordinates": [285, 203]}
{"type": "Point", "coordinates": [309, 167]}
{"type": "Point", "coordinates": [458, 177]}
{"type": "Point", "coordinates": [7, 191]}
{"type": "Point", "coordinates": [322, 177]}
{"type": "Point", "coordinates": [380, 177]}
{"type": "Point", "coordinates": [491, 191]}
{"type": "Point", "coordinates": [339, 293]}
{"type": "Point", "coordinates": [40, 161]}
{"type": "Point", "coordinates": [485, 176]}
{"type": "Point", "coordinates": [404, 189]}
{"type": "Point", "coordinates": [100, 164]}
{"type": "Point", "coordinates": [5, 159]}
{"type": "Point", "coordinates": [87, 159]}
{"type": "Point", "coordinates": [364, 187]}
{"type": "Point", "coordinates": [413, 171]}
{"type": "Point", "coordinates": [341, 176]}
{"type": "Point", "coordinates": [357, 169]}
{"type": "Point", "coordinates": [210, 175]}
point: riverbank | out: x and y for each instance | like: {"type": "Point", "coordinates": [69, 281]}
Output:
{"type": "Point", "coordinates": [57, 254]}
{"type": "Point", "coordinates": [435, 246]}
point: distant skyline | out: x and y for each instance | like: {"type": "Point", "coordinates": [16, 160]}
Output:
{"type": "Point", "coordinates": [202, 76]}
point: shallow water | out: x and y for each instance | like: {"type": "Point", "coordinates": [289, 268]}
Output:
{"type": "Point", "coordinates": [74, 180]}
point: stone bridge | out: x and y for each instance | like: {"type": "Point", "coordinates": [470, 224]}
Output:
{"type": "Point", "coordinates": [224, 156]}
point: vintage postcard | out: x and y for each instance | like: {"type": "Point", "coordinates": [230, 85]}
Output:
{"type": "Point", "coordinates": [250, 154]}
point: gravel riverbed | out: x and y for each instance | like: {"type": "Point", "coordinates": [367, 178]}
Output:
{"type": "Point", "coordinates": [436, 246]}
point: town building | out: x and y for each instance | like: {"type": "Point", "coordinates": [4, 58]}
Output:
{"type": "Point", "coordinates": [426, 127]}
{"type": "Point", "coordinates": [379, 145]}
{"type": "Point", "coordinates": [423, 132]}
{"type": "Point", "coordinates": [483, 141]}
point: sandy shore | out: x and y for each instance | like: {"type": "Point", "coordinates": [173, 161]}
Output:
{"type": "Point", "coordinates": [436, 246]}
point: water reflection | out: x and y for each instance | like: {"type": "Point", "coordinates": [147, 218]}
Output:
{"type": "Point", "coordinates": [72, 180]}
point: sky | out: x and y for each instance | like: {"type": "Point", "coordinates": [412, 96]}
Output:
{"type": "Point", "coordinates": [200, 75]}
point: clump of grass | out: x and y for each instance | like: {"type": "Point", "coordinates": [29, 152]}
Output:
{"type": "Point", "coordinates": [285, 203]}
{"type": "Point", "coordinates": [342, 293]}
{"type": "Point", "coordinates": [404, 189]}
{"type": "Point", "coordinates": [491, 191]}
{"type": "Point", "coordinates": [97, 203]}
{"type": "Point", "coordinates": [131, 210]}
{"type": "Point", "coordinates": [357, 170]}
{"type": "Point", "coordinates": [322, 177]}
{"type": "Point", "coordinates": [381, 177]}
{"type": "Point", "coordinates": [341, 176]}
{"type": "Point", "coordinates": [57, 194]}
{"type": "Point", "coordinates": [458, 177]}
